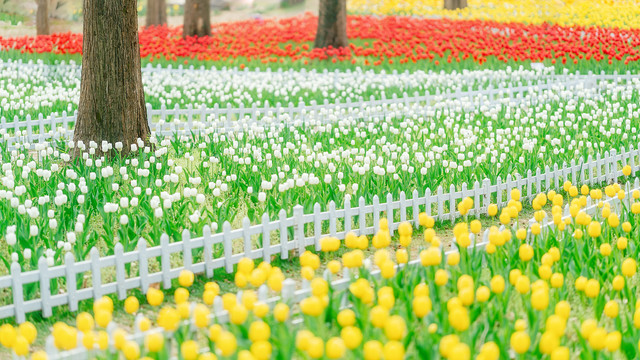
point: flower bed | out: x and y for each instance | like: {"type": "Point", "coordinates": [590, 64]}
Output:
{"type": "Point", "coordinates": [374, 41]}
{"type": "Point", "coordinates": [52, 205]}
{"type": "Point", "coordinates": [561, 287]}
{"type": "Point", "coordinates": [614, 14]}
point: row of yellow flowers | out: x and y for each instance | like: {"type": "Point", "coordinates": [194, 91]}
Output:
{"type": "Point", "coordinates": [610, 13]}
{"type": "Point", "coordinates": [563, 291]}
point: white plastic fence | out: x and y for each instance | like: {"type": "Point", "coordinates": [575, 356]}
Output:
{"type": "Point", "coordinates": [307, 230]}
{"type": "Point", "coordinates": [291, 295]}
{"type": "Point", "coordinates": [182, 121]}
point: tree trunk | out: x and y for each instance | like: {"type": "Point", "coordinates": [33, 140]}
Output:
{"type": "Point", "coordinates": [455, 4]}
{"type": "Point", "coordinates": [332, 24]}
{"type": "Point", "coordinates": [156, 12]}
{"type": "Point", "coordinates": [197, 19]}
{"type": "Point", "coordinates": [112, 106]}
{"type": "Point", "coordinates": [42, 18]}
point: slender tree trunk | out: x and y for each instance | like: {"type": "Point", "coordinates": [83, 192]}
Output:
{"type": "Point", "coordinates": [42, 17]}
{"type": "Point", "coordinates": [112, 106]}
{"type": "Point", "coordinates": [332, 24]}
{"type": "Point", "coordinates": [455, 4]}
{"type": "Point", "coordinates": [197, 18]}
{"type": "Point", "coordinates": [156, 12]}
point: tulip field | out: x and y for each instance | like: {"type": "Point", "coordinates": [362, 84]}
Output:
{"type": "Point", "coordinates": [510, 130]}
{"type": "Point", "coordinates": [51, 208]}
{"type": "Point", "coordinates": [619, 14]}
{"type": "Point", "coordinates": [33, 89]}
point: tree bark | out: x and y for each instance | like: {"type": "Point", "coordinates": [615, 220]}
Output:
{"type": "Point", "coordinates": [455, 4]}
{"type": "Point", "coordinates": [156, 12]}
{"type": "Point", "coordinates": [332, 24]}
{"type": "Point", "coordinates": [112, 106]}
{"type": "Point", "coordinates": [197, 18]}
{"type": "Point", "coordinates": [42, 18]}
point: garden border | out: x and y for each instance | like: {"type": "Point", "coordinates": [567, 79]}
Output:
{"type": "Point", "coordinates": [442, 206]}
{"type": "Point", "coordinates": [41, 129]}
{"type": "Point", "coordinates": [290, 295]}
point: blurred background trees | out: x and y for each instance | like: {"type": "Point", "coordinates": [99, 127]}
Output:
{"type": "Point", "coordinates": [156, 12]}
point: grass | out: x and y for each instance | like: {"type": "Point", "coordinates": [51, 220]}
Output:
{"type": "Point", "coordinates": [583, 66]}
{"type": "Point", "coordinates": [291, 269]}
{"type": "Point", "coordinates": [11, 18]}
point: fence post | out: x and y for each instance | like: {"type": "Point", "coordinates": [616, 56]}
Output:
{"type": "Point", "coordinates": [228, 250]}
{"type": "Point", "coordinates": [41, 127]}
{"type": "Point", "coordinates": [45, 287]}
{"type": "Point", "coordinates": [427, 202]}
{"type": "Point", "coordinates": [440, 203]}
{"type": "Point", "coordinates": [612, 167]}
{"type": "Point", "coordinates": [596, 164]}
{"type": "Point", "coordinates": [415, 208]}
{"type": "Point", "coordinates": [376, 214]}
{"type": "Point", "coordinates": [486, 192]}
{"type": "Point", "coordinates": [50, 348]}
{"type": "Point", "coordinates": [347, 214]}
{"type": "Point", "coordinates": [143, 265]}
{"type": "Point", "coordinates": [499, 191]}
{"type": "Point", "coordinates": [120, 276]}
{"type": "Point", "coordinates": [403, 207]}
{"type": "Point", "coordinates": [538, 181]}
{"type": "Point", "coordinates": [207, 245]}
{"type": "Point", "coordinates": [362, 216]}
{"type": "Point", "coordinates": [29, 129]}
{"type": "Point", "coordinates": [16, 289]}
{"type": "Point", "coordinates": [203, 114]}
{"type": "Point", "coordinates": [187, 256]}
{"type": "Point", "coordinates": [189, 110]}
{"type": "Point", "coordinates": [390, 220]}
{"type": "Point", "coordinates": [284, 240]}
{"type": "Point", "coordinates": [149, 113]}
{"type": "Point", "coordinates": [266, 239]}
{"type": "Point", "coordinates": [246, 236]}
{"type": "Point", "coordinates": [476, 199]}
{"type": "Point", "coordinates": [528, 185]}
{"type": "Point", "coordinates": [317, 226]}
{"type": "Point", "coordinates": [288, 290]}
{"type": "Point", "coordinates": [332, 218]}
{"type": "Point", "coordinates": [452, 203]}
{"type": "Point", "coordinates": [165, 261]}
{"type": "Point", "coordinates": [96, 275]}
{"type": "Point", "coordinates": [72, 286]}
{"type": "Point", "coordinates": [298, 228]}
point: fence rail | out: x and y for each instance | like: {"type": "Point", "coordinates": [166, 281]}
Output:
{"type": "Point", "coordinates": [294, 233]}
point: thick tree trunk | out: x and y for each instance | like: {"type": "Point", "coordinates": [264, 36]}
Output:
{"type": "Point", "coordinates": [156, 12]}
{"type": "Point", "coordinates": [42, 18]}
{"type": "Point", "coordinates": [332, 24]}
{"type": "Point", "coordinates": [455, 4]}
{"type": "Point", "coordinates": [197, 18]}
{"type": "Point", "coordinates": [112, 106]}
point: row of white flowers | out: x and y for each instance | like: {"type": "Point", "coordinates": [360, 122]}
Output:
{"type": "Point", "coordinates": [39, 88]}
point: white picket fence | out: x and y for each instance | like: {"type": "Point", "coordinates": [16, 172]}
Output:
{"type": "Point", "coordinates": [291, 295]}
{"type": "Point", "coordinates": [183, 121]}
{"type": "Point", "coordinates": [307, 230]}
